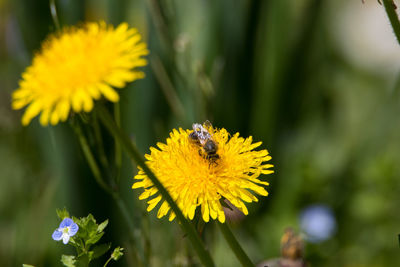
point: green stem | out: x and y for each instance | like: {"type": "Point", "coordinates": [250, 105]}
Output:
{"type": "Point", "coordinates": [53, 11]}
{"type": "Point", "coordinates": [132, 151]}
{"type": "Point", "coordinates": [135, 234]}
{"type": "Point", "coordinates": [122, 206]}
{"type": "Point", "coordinates": [99, 141]}
{"type": "Point", "coordinates": [167, 88]}
{"type": "Point", "coordinates": [234, 244]}
{"type": "Point", "coordinates": [118, 150]}
{"type": "Point", "coordinates": [90, 158]}
{"type": "Point", "coordinates": [98, 177]}
{"type": "Point", "coordinates": [160, 23]}
{"type": "Point", "coordinates": [109, 259]}
{"type": "Point", "coordinates": [393, 18]}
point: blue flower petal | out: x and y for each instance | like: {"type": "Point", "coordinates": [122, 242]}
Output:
{"type": "Point", "coordinates": [73, 229]}
{"type": "Point", "coordinates": [66, 222]}
{"type": "Point", "coordinates": [57, 235]}
{"type": "Point", "coordinates": [65, 238]}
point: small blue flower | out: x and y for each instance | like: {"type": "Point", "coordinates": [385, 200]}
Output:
{"type": "Point", "coordinates": [318, 222]}
{"type": "Point", "coordinates": [66, 229]}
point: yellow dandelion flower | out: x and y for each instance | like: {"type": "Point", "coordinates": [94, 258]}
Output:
{"type": "Point", "coordinates": [197, 179]}
{"type": "Point", "coordinates": [77, 66]}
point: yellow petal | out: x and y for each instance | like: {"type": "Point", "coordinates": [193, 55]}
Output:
{"type": "Point", "coordinates": [163, 210]}
{"type": "Point", "coordinates": [206, 212]}
{"type": "Point", "coordinates": [33, 110]}
{"type": "Point", "coordinates": [55, 117]}
{"type": "Point", "coordinates": [45, 117]}
{"type": "Point", "coordinates": [108, 92]}
{"type": "Point", "coordinates": [153, 203]}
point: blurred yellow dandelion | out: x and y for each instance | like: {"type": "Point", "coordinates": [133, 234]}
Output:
{"type": "Point", "coordinates": [76, 67]}
{"type": "Point", "coordinates": [196, 180]}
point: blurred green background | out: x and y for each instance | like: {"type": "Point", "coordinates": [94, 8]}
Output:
{"type": "Point", "coordinates": [317, 81]}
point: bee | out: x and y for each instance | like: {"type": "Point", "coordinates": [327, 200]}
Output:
{"type": "Point", "coordinates": [292, 245]}
{"type": "Point", "coordinates": [202, 138]}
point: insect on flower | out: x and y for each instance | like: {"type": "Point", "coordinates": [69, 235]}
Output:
{"type": "Point", "coordinates": [66, 229]}
{"type": "Point", "coordinates": [228, 168]}
{"type": "Point", "coordinates": [204, 139]}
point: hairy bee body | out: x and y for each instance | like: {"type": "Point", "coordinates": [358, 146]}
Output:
{"type": "Point", "coordinates": [202, 138]}
{"type": "Point", "coordinates": [210, 148]}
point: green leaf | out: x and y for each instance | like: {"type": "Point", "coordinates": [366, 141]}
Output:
{"type": "Point", "coordinates": [90, 255]}
{"type": "Point", "coordinates": [62, 214]}
{"type": "Point", "coordinates": [103, 225]}
{"type": "Point", "coordinates": [27, 265]}
{"type": "Point", "coordinates": [89, 231]}
{"type": "Point", "coordinates": [117, 253]}
{"type": "Point", "coordinates": [86, 221]}
{"type": "Point", "coordinates": [68, 260]}
{"type": "Point", "coordinates": [76, 220]}
{"type": "Point", "coordinates": [100, 250]}
{"type": "Point", "coordinates": [87, 227]}
{"type": "Point", "coordinates": [90, 225]}
{"type": "Point", "coordinates": [94, 239]}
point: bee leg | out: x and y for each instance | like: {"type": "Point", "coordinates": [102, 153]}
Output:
{"type": "Point", "coordinates": [212, 158]}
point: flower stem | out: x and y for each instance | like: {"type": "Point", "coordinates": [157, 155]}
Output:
{"type": "Point", "coordinates": [234, 244]}
{"type": "Point", "coordinates": [99, 141]}
{"type": "Point", "coordinates": [98, 177]}
{"type": "Point", "coordinates": [393, 18]}
{"type": "Point", "coordinates": [118, 151]}
{"type": "Point", "coordinates": [109, 259]}
{"type": "Point", "coordinates": [90, 158]}
{"type": "Point", "coordinates": [132, 151]}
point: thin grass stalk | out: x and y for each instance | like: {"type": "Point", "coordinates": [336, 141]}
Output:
{"type": "Point", "coordinates": [390, 9]}
{"type": "Point", "coordinates": [94, 167]}
{"type": "Point", "coordinates": [168, 88]}
{"type": "Point", "coordinates": [54, 15]}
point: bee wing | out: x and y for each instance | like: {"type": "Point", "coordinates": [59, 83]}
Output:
{"type": "Point", "coordinates": [207, 124]}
